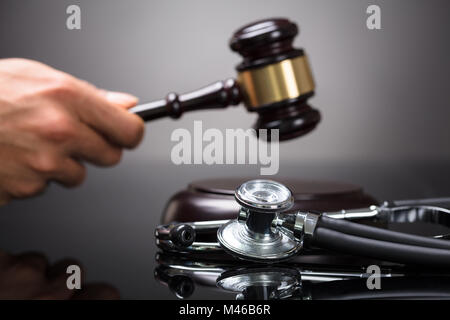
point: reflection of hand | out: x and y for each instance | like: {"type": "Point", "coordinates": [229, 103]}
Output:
{"type": "Point", "coordinates": [50, 122]}
{"type": "Point", "coordinates": [29, 276]}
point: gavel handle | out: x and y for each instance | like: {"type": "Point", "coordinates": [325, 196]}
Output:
{"type": "Point", "coordinates": [220, 94]}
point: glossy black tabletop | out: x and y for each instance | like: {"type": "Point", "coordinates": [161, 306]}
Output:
{"type": "Point", "coordinates": [108, 224]}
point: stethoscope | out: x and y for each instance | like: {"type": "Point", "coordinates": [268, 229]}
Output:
{"type": "Point", "coordinates": [266, 231]}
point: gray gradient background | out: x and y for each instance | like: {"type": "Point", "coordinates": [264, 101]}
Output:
{"type": "Point", "coordinates": [384, 97]}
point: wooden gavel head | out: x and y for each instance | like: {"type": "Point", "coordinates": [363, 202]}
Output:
{"type": "Point", "coordinates": [274, 77]}
{"type": "Point", "coordinates": [274, 80]}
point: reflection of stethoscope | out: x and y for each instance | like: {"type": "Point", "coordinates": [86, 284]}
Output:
{"type": "Point", "coordinates": [296, 281]}
{"type": "Point", "coordinates": [265, 231]}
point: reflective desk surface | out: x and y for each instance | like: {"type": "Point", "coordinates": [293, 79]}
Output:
{"type": "Point", "coordinates": [108, 225]}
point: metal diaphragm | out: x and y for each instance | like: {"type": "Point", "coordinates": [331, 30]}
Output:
{"type": "Point", "coordinates": [264, 196]}
{"type": "Point", "coordinates": [255, 238]}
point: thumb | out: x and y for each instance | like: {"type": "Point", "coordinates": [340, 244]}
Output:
{"type": "Point", "coordinates": [121, 99]}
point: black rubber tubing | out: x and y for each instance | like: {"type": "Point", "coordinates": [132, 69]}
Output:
{"type": "Point", "coordinates": [381, 250]}
{"type": "Point", "coordinates": [365, 231]}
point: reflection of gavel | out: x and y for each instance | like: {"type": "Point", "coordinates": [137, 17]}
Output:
{"type": "Point", "coordinates": [274, 80]}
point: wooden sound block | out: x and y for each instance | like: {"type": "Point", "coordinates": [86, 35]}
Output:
{"type": "Point", "coordinates": [213, 199]}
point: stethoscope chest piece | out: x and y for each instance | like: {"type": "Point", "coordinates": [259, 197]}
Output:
{"type": "Point", "coordinates": [253, 236]}
{"type": "Point", "coordinates": [260, 283]}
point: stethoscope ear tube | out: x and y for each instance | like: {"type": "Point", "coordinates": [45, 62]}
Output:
{"type": "Point", "coordinates": [352, 238]}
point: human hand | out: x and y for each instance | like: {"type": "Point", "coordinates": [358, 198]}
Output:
{"type": "Point", "coordinates": [51, 122]}
{"type": "Point", "coordinates": [29, 276]}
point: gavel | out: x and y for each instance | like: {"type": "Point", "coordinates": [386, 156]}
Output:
{"type": "Point", "coordinates": [274, 80]}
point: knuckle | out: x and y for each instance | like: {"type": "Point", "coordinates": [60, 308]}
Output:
{"type": "Point", "coordinates": [79, 177]}
{"type": "Point", "coordinates": [61, 86]}
{"type": "Point", "coordinates": [57, 125]}
{"type": "Point", "coordinates": [27, 189]}
{"type": "Point", "coordinates": [135, 133]}
{"type": "Point", "coordinates": [112, 157]}
{"type": "Point", "coordinates": [22, 64]}
{"type": "Point", "coordinates": [45, 163]}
